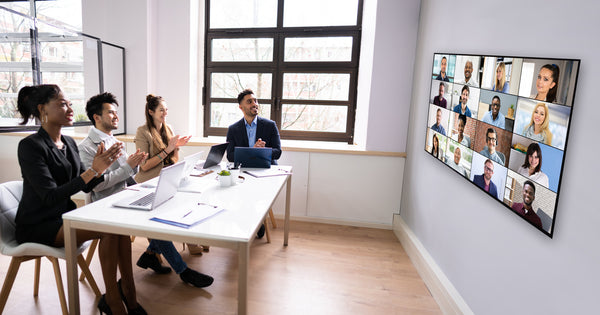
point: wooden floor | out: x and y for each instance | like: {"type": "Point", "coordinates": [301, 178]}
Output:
{"type": "Point", "coordinates": [326, 269]}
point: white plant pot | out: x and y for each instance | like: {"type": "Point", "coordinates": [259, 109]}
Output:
{"type": "Point", "coordinates": [225, 180]}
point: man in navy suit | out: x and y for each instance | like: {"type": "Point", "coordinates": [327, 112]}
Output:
{"type": "Point", "coordinates": [485, 180]}
{"type": "Point", "coordinates": [252, 131]}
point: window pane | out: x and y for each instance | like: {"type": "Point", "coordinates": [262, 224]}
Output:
{"type": "Point", "coordinates": [65, 13]}
{"type": "Point", "coordinates": [71, 83]}
{"type": "Point", "coordinates": [318, 49]}
{"type": "Point", "coordinates": [15, 64]}
{"type": "Point", "coordinates": [243, 13]}
{"type": "Point", "coordinates": [224, 114]}
{"type": "Point", "coordinates": [10, 83]}
{"type": "Point", "coordinates": [19, 6]}
{"type": "Point", "coordinates": [320, 12]}
{"type": "Point", "coordinates": [316, 86]}
{"type": "Point", "coordinates": [229, 85]}
{"type": "Point", "coordinates": [62, 63]}
{"type": "Point", "coordinates": [242, 49]}
{"type": "Point", "coordinates": [314, 118]}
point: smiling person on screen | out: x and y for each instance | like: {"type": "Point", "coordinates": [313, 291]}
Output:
{"type": "Point", "coordinates": [462, 107]}
{"type": "Point", "coordinates": [489, 151]}
{"type": "Point", "coordinates": [494, 116]}
{"type": "Point", "coordinates": [525, 209]}
{"type": "Point", "coordinates": [469, 80]}
{"type": "Point", "coordinates": [484, 181]}
{"type": "Point", "coordinates": [443, 64]}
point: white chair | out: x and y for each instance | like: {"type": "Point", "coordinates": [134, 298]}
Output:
{"type": "Point", "coordinates": [10, 195]}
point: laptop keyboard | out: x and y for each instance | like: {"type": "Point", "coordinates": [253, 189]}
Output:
{"type": "Point", "coordinates": [144, 201]}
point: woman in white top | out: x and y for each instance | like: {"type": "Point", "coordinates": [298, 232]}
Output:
{"type": "Point", "coordinates": [531, 168]}
{"type": "Point", "coordinates": [461, 137]}
{"type": "Point", "coordinates": [538, 128]}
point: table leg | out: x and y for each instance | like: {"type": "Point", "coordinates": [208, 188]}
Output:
{"type": "Point", "coordinates": [71, 258]}
{"type": "Point", "coordinates": [243, 262]}
{"type": "Point", "coordinates": [286, 224]}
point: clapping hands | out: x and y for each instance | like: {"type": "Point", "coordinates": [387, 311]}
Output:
{"type": "Point", "coordinates": [106, 157]}
{"type": "Point", "coordinates": [176, 142]}
{"type": "Point", "coordinates": [137, 158]}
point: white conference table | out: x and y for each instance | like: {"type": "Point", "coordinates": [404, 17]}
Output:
{"type": "Point", "coordinates": [246, 206]}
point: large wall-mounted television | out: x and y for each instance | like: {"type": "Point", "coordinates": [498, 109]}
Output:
{"type": "Point", "coordinates": [502, 123]}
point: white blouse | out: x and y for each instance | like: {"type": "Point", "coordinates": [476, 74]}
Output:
{"type": "Point", "coordinates": [538, 177]}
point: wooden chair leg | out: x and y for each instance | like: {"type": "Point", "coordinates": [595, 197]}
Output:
{"type": "Point", "coordinates": [89, 256]}
{"type": "Point", "coordinates": [85, 271]}
{"type": "Point", "coordinates": [267, 231]}
{"type": "Point", "coordinates": [272, 218]}
{"type": "Point", "coordinates": [59, 285]}
{"type": "Point", "coordinates": [11, 274]}
{"type": "Point", "coordinates": [36, 276]}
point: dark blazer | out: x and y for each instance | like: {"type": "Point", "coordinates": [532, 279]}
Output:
{"type": "Point", "coordinates": [479, 181]}
{"type": "Point", "coordinates": [265, 129]}
{"type": "Point", "coordinates": [49, 178]}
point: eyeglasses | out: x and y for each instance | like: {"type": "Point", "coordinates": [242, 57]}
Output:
{"type": "Point", "coordinates": [495, 105]}
{"type": "Point", "coordinates": [489, 169]}
{"type": "Point", "coordinates": [488, 139]}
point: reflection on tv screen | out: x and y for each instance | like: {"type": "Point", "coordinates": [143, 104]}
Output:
{"type": "Point", "coordinates": [502, 123]}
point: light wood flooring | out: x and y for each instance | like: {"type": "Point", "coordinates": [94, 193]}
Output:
{"type": "Point", "coordinates": [326, 269]}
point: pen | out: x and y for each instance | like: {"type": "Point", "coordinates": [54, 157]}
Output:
{"type": "Point", "coordinates": [205, 204]}
{"type": "Point", "coordinates": [185, 215]}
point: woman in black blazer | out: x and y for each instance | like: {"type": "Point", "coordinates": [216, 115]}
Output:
{"type": "Point", "coordinates": [52, 172]}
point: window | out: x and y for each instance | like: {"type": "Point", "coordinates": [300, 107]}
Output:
{"type": "Point", "coordinates": [301, 62]}
{"type": "Point", "coordinates": [33, 51]}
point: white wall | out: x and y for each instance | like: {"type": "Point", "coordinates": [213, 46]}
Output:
{"type": "Point", "coordinates": [392, 73]}
{"type": "Point", "coordinates": [175, 63]}
{"type": "Point", "coordinates": [127, 24]}
{"type": "Point", "coordinates": [498, 262]}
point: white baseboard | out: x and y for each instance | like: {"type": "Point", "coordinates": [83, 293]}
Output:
{"type": "Point", "coordinates": [441, 288]}
{"type": "Point", "coordinates": [337, 222]}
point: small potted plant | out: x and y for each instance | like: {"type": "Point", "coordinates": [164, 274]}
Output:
{"type": "Point", "coordinates": [511, 111]}
{"type": "Point", "coordinates": [224, 178]}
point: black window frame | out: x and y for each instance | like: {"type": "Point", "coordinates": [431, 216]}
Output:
{"type": "Point", "coordinates": [35, 38]}
{"type": "Point", "coordinates": [278, 67]}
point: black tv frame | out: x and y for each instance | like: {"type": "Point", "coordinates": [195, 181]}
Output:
{"type": "Point", "coordinates": [547, 191]}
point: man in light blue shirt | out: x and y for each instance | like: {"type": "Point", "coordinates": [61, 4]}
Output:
{"type": "Point", "coordinates": [462, 107]}
{"type": "Point", "coordinates": [438, 120]}
{"type": "Point", "coordinates": [251, 132]}
{"type": "Point", "coordinates": [494, 116]}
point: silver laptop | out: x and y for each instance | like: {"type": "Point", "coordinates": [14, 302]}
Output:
{"type": "Point", "coordinates": [190, 164]}
{"type": "Point", "coordinates": [166, 188]}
